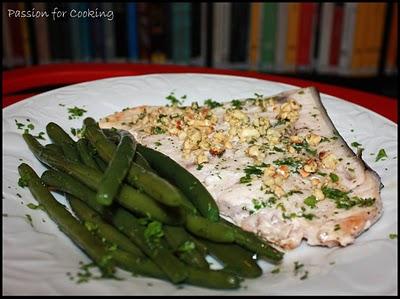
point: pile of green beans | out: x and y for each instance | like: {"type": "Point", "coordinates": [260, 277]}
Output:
{"type": "Point", "coordinates": [136, 209]}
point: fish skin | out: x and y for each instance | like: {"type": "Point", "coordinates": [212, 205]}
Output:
{"type": "Point", "coordinates": [268, 222]}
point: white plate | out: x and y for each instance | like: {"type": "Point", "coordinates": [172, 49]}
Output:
{"type": "Point", "coordinates": [36, 259]}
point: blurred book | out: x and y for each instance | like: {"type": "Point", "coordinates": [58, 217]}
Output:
{"type": "Point", "coordinates": [120, 32]}
{"type": "Point", "coordinates": [239, 35]}
{"type": "Point", "coordinates": [224, 20]}
{"type": "Point", "coordinates": [109, 37]}
{"type": "Point", "coordinates": [159, 22]}
{"type": "Point", "coordinates": [391, 62]}
{"type": "Point", "coordinates": [306, 36]}
{"type": "Point", "coordinates": [181, 18]}
{"type": "Point", "coordinates": [133, 46]}
{"type": "Point", "coordinates": [256, 10]}
{"type": "Point", "coordinates": [268, 35]}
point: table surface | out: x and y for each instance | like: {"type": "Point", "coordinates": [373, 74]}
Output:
{"type": "Point", "coordinates": [21, 83]}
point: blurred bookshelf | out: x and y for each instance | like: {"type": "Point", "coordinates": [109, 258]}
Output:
{"type": "Point", "coordinates": [347, 44]}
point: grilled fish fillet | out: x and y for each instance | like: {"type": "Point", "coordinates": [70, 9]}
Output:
{"type": "Point", "coordinates": [276, 166]}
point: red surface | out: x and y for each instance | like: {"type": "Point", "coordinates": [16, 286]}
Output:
{"type": "Point", "coordinates": [20, 80]}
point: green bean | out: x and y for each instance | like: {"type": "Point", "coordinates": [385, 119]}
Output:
{"type": "Point", "coordinates": [216, 279]}
{"type": "Point", "coordinates": [55, 148]}
{"type": "Point", "coordinates": [116, 171]}
{"type": "Point", "coordinates": [235, 259]}
{"type": "Point", "coordinates": [144, 180]}
{"type": "Point", "coordinates": [66, 222]}
{"type": "Point", "coordinates": [184, 180]}
{"type": "Point", "coordinates": [85, 154]}
{"type": "Point", "coordinates": [180, 242]}
{"type": "Point", "coordinates": [62, 139]}
{"type": "Point", "coordinates": [128, 197]}
{"type": "Point", "coordinates": [213, 231]}
{"type": "Point", "coordinates": [93, 220]}
{"type": "Point", "coordinates": [157, 251]}
{"type": "Point", "coordinates": [100, 163]}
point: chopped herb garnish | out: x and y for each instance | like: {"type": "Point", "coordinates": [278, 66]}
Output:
{"type": "Point", "coordinates": [324, 139]}
{"type": "Point", "coordinates": [297, 267]}
{"type": "Point", "coordinates": [157, 143]}
{"type": "Point", "coordinates": [291, 192]}
{"type": "Point", "coordinates": [291, 162]}
{"type": "Point", "coordinates": [153, 233]}
{"type": "Point", "coordinates": [355, 144]}
{"type": "Point", "coordinates": [334, 177]}
{"type": "Point", "coordinates": [19, 125]}
{"type": "Point", "coordinates": [310, 201]}
{"type": "Point", "coordinates": [337, 227]}
{"type": "Point", "coordinates": [76, 132]}
{"type": "Point", "coordinates": [75, 112]}
{"type": "Point", "coordinates": [157, 130]}
{"type": "Point", "coordinates": [392, 236]}
{"type": "Point", "coordinates": [381, 154]}
{"type": "Point", "coordinates": [188, 246]}
{"type": "Point", "coordinates": [199, 166]}
{"type": "Point", "coordinates": [321, 173]}
{"type": "Point", "coordinates": [277, 149]}
{"type": "Point", "coordinates": [35, 207]}
{"type": "Point", "coordinates": [308, 216]}
{"type": "Point", "coordinates": [40, 136]}
{"type": "Point", "coordinates": [280, 122]}
{"type": "Point", "coordinates": [305, 275]}
{"type": "Point", "coordinates": [62, 105]}
{"type": "Point", "coordinates": [31, 126]}
{"type": "Point", "coordinates": [212, 104]}
{"type": "Point", "coordinates": [22, 182]}
{"type": "Point", "coordinates": [343, 201]}
{"type": "Point", "coordinates": [29, 217]}
{"type": "Point", "coordinates": [173, 99]}
{"type": "Point", "coordinates": [275, 271]}
{"type": "Point", "coordinates": [237, 104]}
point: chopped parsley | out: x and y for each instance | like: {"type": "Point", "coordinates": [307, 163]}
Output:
{"type": "Point", "coordinates": [40, 136]}
{"type": "Point", "coordinates": [173, 99]}
{"type": "Point", "coordinates": [355, 144]}
{"type": "Point", "coordinates": [76, 132]}
{"type": "Point", "coordinates": [279, 122]}
{"type": "Point", "coordinates": [22, 182]}
{"type": "Point", "coordinates": [75, 112]}
{"type": "Point", "coordinates": [343, 201]}
{"type": "Point", "coordinates": [304, 146]}
{"type": "Point", "coordinates": [291, 192]}
{"type": "Point", "coordinates": [321, 173]}
{"type": "Point", "coordinates": [252, 170]}
{"type": "Point", "coordinates": [308, 216]}
{"type": "Point", "coordinates": [212, 104]}
{"type": "Point", "coordinates": [275, 271]}
{"type": "Point", "coordinates": [324, 139]}
{"type": "Point", "coordinates": [294, 164]}
{"type": "Point", "coordinates": [35, 207]}
{"type": "Point", "coordinates": [304, 276]}
{"type": "Point", "coordinates": [337, 227]}
{"type": "Point", "coordinates": [334, 177]}
{"type": "Point", "coordinates": [381, 154]}
{"type": "Point", "coordinates": [311, 201]}
{"type": "Point", "coordinates": [157, 130]}
{"type": "Point", "coordinates": [277, 149]}
{"type": "Point", "coordinates": [188, 246]}
{"type": "Point", "coordinates": [297, 267]}
{"type": "Point", "coordinates": [153, 233]}
{"type": "Point", "coordinates": [157, 143]}
{"type": "Point", "coordinates": [19, 125]}
{"type": "Point", "coordinates": [199, 167]}
{"type": "Point", "coordinates": [29, 217]}
{"type": "Point", "coordinates": [392, 236]}
{"type": "Point", "coordinates": [30, 126]}
{"type": "Point", "coordinates": [237, 104]}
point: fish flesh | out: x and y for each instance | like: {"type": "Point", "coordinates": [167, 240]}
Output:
{"type": "Point", "coordinates": [275, 165]}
